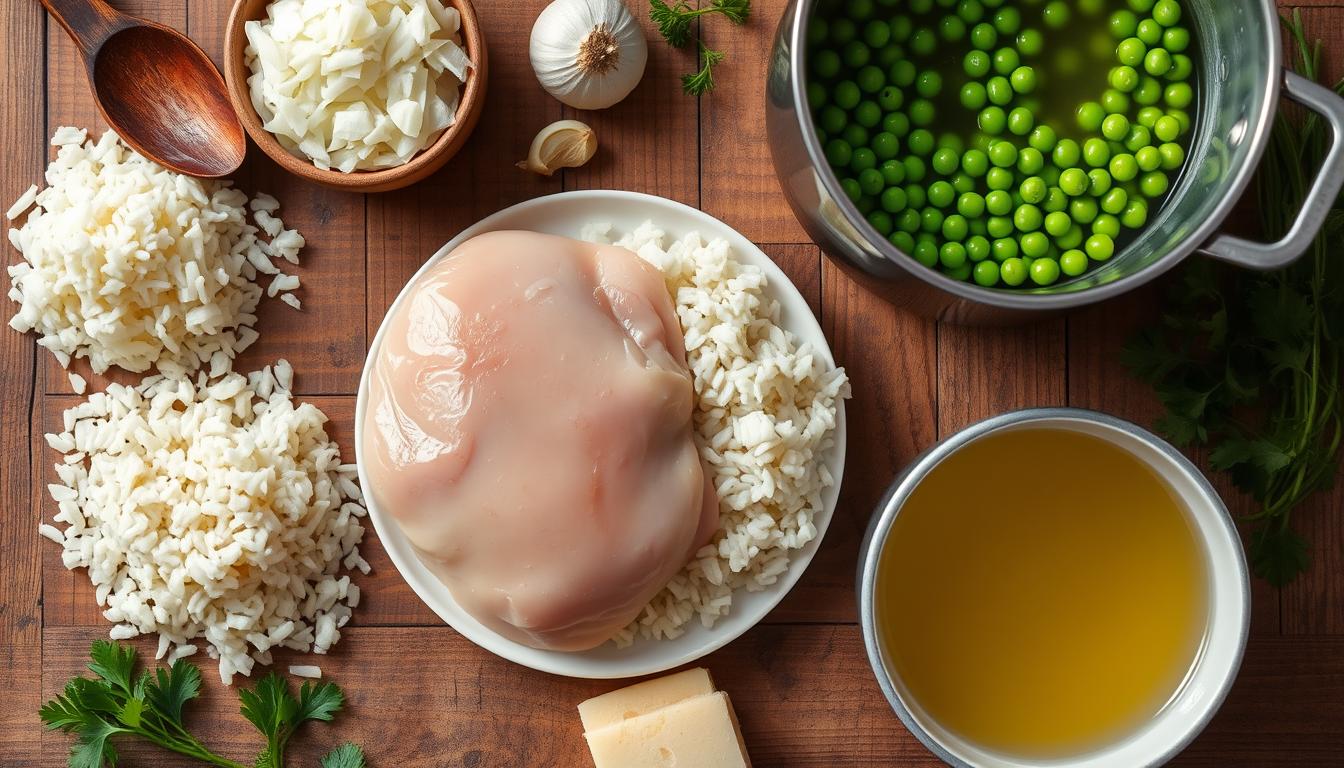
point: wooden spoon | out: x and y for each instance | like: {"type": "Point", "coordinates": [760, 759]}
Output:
{"type": "Point", "coordinates": [156, 88]}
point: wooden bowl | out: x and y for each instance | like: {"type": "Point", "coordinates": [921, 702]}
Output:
{"type": "Point", "coordinates": [429, 159]}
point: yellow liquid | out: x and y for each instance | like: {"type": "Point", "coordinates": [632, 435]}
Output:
{"type": "Point", "coordinates": [1042, 593]}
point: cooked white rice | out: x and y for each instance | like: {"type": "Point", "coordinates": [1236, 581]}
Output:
{"type": "Point", "coordinates": [130, 264]}
{"type": "Point", "coordinates": [213, 509]}
{"type": "Point", "coordinates": [764, 423]}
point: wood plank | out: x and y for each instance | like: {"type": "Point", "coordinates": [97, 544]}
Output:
{"type": "Point", "coordinates": [646, 143]}
{"type": "Point", "coordinates": [22, 34]}
{"type": "Point", "coordinates": [406, 227]}
{"type": "Point", "coordinates": [891, 360]}
{"type": "Point", "coordinates": [984, 372]}
{"type": "Point", "coordinates": [739, 184]}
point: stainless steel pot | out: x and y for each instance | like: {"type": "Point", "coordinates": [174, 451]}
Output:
{"type": "Point", "coordinates": [1241, 75]}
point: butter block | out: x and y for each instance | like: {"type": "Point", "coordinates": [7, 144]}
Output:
{"type": "Point", "coordinates": [699, 732]}
{"type": "Point", "coordinates": [643, 698]}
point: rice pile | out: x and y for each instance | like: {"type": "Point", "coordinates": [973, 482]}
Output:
{"type": "Point", "coordinates": [764, 422]}
{"type": "Point", "coordinates": [216, 510]}
{"type": "Point", "coordinates": [130, 264]}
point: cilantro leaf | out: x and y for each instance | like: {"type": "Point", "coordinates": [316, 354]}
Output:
{"type": "Point", "coordinates": [347, 755]}
{"type": "Point", "coordinates": [171, 688]}
{"type": "Point", "coordinates": [320, 701]}
{"type": "Point", "coordinates": [92, 749]}
{"type": "Point", "coordinates": [114, 663]}
{"type": "Point", "coordinates": [1278, 554]}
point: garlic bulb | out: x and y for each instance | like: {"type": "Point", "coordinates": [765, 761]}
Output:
{"type": "Point", "coordinates": [562, 144]}
{"type": "Point", "coordinates": [589, 54]}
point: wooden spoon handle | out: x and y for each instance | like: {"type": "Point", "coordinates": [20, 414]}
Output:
{"type": "Point", "coordinates": [89, 22]}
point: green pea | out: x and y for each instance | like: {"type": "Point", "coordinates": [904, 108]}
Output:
{"type": "Point", "coordinates": [870, 79]}
{"type": "Point", "coordinates": [901, 28]}
{"type": "Point", "coordinates": [1073, 181]}
{"type": "Point", "coordinates": [955, 227]}
{"type": "Point", "coordinates": [1044, 271]}
{"type": "Point", "coordinates": [1149, 31]}
{"type": "Point", "coordinates": [922, 112]}
{"type": "Point", "coordinates": [952, 255]}
{"type": "Point", "coordinates": [1003, 154]}
{"type": "Point", "coordinates": [1007, 20]}
{"type": "Point", "coordinates": [893, 200]}
{"type": "Point", "coordinates": [1043, 138]}
{"type": "Point", "coordinates": [893, 173]}
{"type": "Point", "coordinates": [1057, 223]}
{"type": "Point", "coordinates": [862, 159]}
{"type": "Point", "coordinates": [1071, 239]}
{"type": "Point", "coordinates": [826, 64]}
{"type": "Point", "coordinates": [903, 241]}
{"type": "Point", "coordinates": [1149, 159]}
{"type": "Point", "coordinates": [999, 203]}
{"type": "Point", "coordinates": [1149, 91]}
{"type": "Point", "coordinates": [929, 84]}
{"type": "Point", "coordinates": [1033, 190]}
{"type": "Point", "coordinates": [1000, 226]}
{"type": "Point", "coordinates": [839, 153]}
{"type": "Point", "coordinates": [970, 205]}
{"type": "Point", "coordinates": [976, 64]}
{"type": "Point", "coordinates": [890, 99]}
{"type": "Point", "coordinates": [1114, 201]}
{"type": "Point", "coordinates": [816, 95]}
{"type": "Point", "coordinates": [999, 179]}
{"type": "Point", "coordinates": [1023, 79]}
{"type": "Point", "coordinates": [1030, 42]}
{"type": "Point", "coordinates": [1013, 271]}
{"type": "Point", "coordinates": [1034, 244]}
{"type": "Point", "coordinates": [1124, 168]}
{"type": "Point", "coordinates": [1124, 78]}
{"type": "Point", "coordinates": [817, 30]}
{"type": "Point", "coordinates": [1123, 24]}
{"type": "Point", "coordinates": [833, 119]}
{"type": "Point", "coordinates": [1089, 115]}
{"type": "Point", "coordinates": [1135, 215]}
{"type": "Point", "coordinates": [986, 274]}
{"type": "Point", "coordinates": [984, 37]}
{"type": "Point", "coordinates": [889, 55]}
{"type": "Point", "coordinates": [1030, 160]}
{"type": "Point", "coordinates": [1083, 210]}
{"type": "Point", "coordinates": [1073, 262]}
{"type": "Point", "coordinates": [1115, 127]}
{"type": "Point", "coordinates": [1003, 249]}
{"type": "Point", "coordinates": [945, 162]}
{"type": "Point", "coordinates": [847, 94]}
{"type": "Point", "coordinates": [1056, 14]}
{"type": "Point", "coordinates": [942, 194]}
{"type": "Point", "coordinates": [1173, 156]}
{"type": "Point", "coordinates": [1114, 102]}
{"type": "Point", "coordinates": [903, 73]}
{"type": "Point", "coordinates": [861, 9]}
{"type": "Point", "coordinates": [1167, 13]}
{"type": "Point", "coordinates": [1167, 129]}
{"type": "Point", "coordinates": [978, 248]}
{"type": "Point", "coordinates": [1020, 121]}
{"type": "Point", "coordinates": [1141, 6]}
{"type": "Point", "coordinates": [1182, 118]}
{"type": "Point", "coordinates": [924, 42]}
{"type": "Point", "coordinates": [1158, 62]}
{"type": "Point", "coordinates": [931, 220]}
{"type": "Point", "coordinates": [1027, 218]}
{"type": "Point", "coordinates": [1098, 182]}
{"type": "Point", "coordinates": [926, 253]}
{"type": "Point", "coordinates": [1179, 95]}
{"type": "Point", "coordinates": [1000, 91]}
{"type": "Point", "coordinates": [1131, 51]}
{"type": "Point", "coordinates": [1096, 153]}
{"type": "Point", "coordinates": [1139, 136]}
{"type": "Point", "coordinates": [855, 54]}
{"type": "Point", "coordinates": [871, 181]}
{"type": "Point", "coordinates": [952, 28]}
{"type": "Point", "coordinates": [881, 221]}
{"type": "Point", "coordinates": [842, 30]}
{"type": "Point", "coordinates": [1154, 184]}
{"type": "Point", "coordinates": [1181, 67]}
{"type": "Point", "coordinates": [916, 196]}
{"type": "Point", "coordinates": [1067, 153]}
{"type": "Point", "coordinates": [897, 124]}
{"type": "Point", "coordinates": [1107, 225]}
{"type": "Point", "coordinates": [992, 120]}
{"type": "Point", "coordinates": [908, 220]}
{"type": "Point", "coordinates": [851, 189]}
{"type": "Point", "coordinates": [1055, 201]}
{"type": "Point", "coordinates": [1176, 39]}
{"type": "Point", "coordinates": [1100, 247]}
{"type": "Point", "coordinates": [877, 34]}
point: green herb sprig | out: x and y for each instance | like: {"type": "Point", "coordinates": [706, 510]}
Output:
{"type": "Point", "coordinates": [674, 24]}
{"type": "Point", "coordinates": [118, 702]}
{"type": "Point", "coordinates": [1250, 364]}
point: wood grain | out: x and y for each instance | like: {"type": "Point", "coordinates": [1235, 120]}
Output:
{"type": "Point", "coordinates": [987, 371]}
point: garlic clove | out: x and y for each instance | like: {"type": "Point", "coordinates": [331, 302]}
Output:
{"type": "Point", "coordinates": [562, 144]}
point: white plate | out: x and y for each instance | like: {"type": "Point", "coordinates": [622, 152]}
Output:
{"type": "Point", "coordinates": [565, 214]}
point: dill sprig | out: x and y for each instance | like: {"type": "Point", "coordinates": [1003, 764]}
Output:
{"type": "Point", "coordinates": [674, 24]}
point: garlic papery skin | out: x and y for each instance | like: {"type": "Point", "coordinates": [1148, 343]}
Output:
{"type": "Point", "coordinates": [589, 54]}
{"type": "Point", "coordinates": [562, 144]}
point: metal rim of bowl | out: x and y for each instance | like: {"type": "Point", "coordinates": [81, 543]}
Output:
{"type": "Point", "coordinates": [1029, 300]}
{"type": "Point", "coordinates": [870, 552]}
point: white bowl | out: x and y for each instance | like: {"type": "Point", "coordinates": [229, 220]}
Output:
{"type": "Point", "coordinates": [565, 214]}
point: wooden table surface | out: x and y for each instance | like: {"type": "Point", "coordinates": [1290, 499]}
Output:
{"type": "Point", "coordinates": [420, 695]}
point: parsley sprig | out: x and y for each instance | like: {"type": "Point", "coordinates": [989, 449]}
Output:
{"type": "Point", "coordinates": [674, 24]}
{"type": "Point", "coordinates": [1251, 364]}
{"type": "Point", "coordinates": [118, 702]}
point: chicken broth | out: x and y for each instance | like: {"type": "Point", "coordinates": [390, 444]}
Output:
{"type": "Point", "coordinates": [1042, 619]}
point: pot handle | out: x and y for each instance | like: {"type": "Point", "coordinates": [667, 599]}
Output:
{"type": "Point", "coordinates": [1321, 198]}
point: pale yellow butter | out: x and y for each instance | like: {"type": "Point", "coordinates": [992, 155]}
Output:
{"type": "Point", "coordinates": [643, 698]}
{"type": "Point", "coordinates": [699, 732]}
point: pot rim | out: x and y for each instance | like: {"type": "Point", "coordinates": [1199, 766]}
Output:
{"type": "Point", "coordinates": [1029, 299]}
{"type": "Point", "coordinates": [870, 551]}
